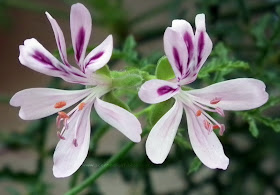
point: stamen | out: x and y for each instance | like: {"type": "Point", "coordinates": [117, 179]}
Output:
{"type": "Point", "coordinates": [63, 115]}
{"type": "Point", "coordinates": [208, 125]}
{"type": "Point", "coordinates": [198, 113]}
{"type": "Point", "coordinates": [81, 105]}
{"type": "Point", "coordinates": [222, 129]}
{"type": "Point", "coordinates": [216, 127]}
{"type": "Point", "coordinates": [60, 136]}
{"type": "Point", "coordinates": [220, 111]}
{"type": "Point", "coordinates": [215, 100]}
{"type": "Point", "coordinates": [60, 104]}
{"type": "Point", "coordinates": [75, 142]}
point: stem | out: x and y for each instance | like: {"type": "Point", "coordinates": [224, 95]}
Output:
{"type": "Point", "coordinates": [102, 170]}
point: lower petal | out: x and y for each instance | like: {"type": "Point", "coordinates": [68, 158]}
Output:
{"type": "Point", "coordinates": [162, 135]}
{"type": "Point", "coordinates": [235, 94]}
{"type": "Point", "coordinates": [155, 91]}
{"type": "Point", "coordinates": [68, 157]}
{"type": "Point", "coordinates": [37, 103]}
{"type": "Point", "coordinates": [120, 119]}
{"type": "Point", "coordinates": [205, 144]}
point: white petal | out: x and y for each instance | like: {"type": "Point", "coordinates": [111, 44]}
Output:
{"type": "Point", "coordinates": [176, 52]}
{"type": "Point", "coordinates": [67, 157]}
{"type": "Point", "coordinates": [155, 91]}
{"type": "Point", "coordinates": [80, 23]}
{"type": "Point", "coordinates": [205, 144]}
{"type": "Point", "coordinates": [162, 135]}
{"type": "Point", "coordinates": [235, 94]}
{"type": "Point", "coordinates": [120, 119]}
{"type": "Point", "coordinates": [99, 56]}
{"type": "Point", "coordinates": [59, 37]}
{"type": "Point", "coordinates": [37, 103]}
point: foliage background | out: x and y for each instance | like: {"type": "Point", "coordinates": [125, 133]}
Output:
{"type": "Point", "coordinates": [246, 39]}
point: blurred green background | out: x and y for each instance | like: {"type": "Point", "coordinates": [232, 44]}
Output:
{"type": "Point", "coordinates": [246, 37]}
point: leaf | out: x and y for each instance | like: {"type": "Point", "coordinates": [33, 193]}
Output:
{"type": "Point", "coordinates": [253, 127]}
{"type": "Point", "coordinates": [164, 70]}
{"type": "Point", "coordinates": [104, 71]}
{"type": "Point", "coordinates": [195, 165]}
{"type": "Point", "coordinates": [159, 110]}
{"type": "Point", "coordinates": [182, 142]}
{"type": "Point", "coordinates": [111, 98]}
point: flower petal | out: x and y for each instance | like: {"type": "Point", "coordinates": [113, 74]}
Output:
{"type": "Point", "coordinates": [176, 52]}
{"type": "Point", "coordinates": [205, 144]}
{"type": "Point", "coordinates": [36, 57]}
{"type": "Point", "coordinates": [99, 56]}
{"type": "Point", "coordinates": [67, 157]}
{"type": "Point", "coordinates": [162, 135]}
{"type": "Point", "coordinates": [40, 102]}
{"type": "Point", "coordinates": [235, 94]}
{"type": "Point", "coordinates": [155, 91]}
{"type": "Point", "coordinates": [120, 119]}
{"type": "Point", "coordinates": [80, 23]}
{"type": "Point", "coordinates": [59, 37]}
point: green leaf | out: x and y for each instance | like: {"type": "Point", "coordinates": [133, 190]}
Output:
{"type": "Point", "coordinates": [129, 44]}
{"type": "Point", "coordinates": [253, 127]}
{"type": "Point", "coordinates": [111, 98]}
{"type": "Point", "coordinates": [127, 80]}
{"type": "Point", "coordinates": [164, 70]}
{"type": "Point", "coordinates": [159, 110]}
{"type": "Point", "coordinates": [182, 142]}
{"type": "Point", "coordinates": [195, 165]}
{"type": "Point", "coordinates": [104, 71]}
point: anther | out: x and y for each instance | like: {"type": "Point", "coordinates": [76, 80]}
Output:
{"type": "Point", "coordinates": [220, 111]}
{"type": "Point", "coordinates": [60, 136]}
{"type": "Point", "coordinates": [63, 115]}
{"type": "Point", "coordinates": [81, 105]}
{"type": "Point", "coordinates": [222, 129]}
{"type": "Point", "coordinates": [198, 113]}
{"type": "Point", "coordinates": [215, 100]}
{"type": "Point", "coordinates": [216, 127]}
{"type": "Point", "coordinates": [75, 142]}
{"type": "Point", "coordinates": [60, 104]}
{"type": "Point", "coordinates": [208, 126]}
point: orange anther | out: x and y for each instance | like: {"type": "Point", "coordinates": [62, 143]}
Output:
{"type": "Point", "coordinates": [198, 113]}
{"type": "Point", "coordinates": [60, 104]}
{"type": "Point", "coordinates": [215, 100]}
{"type": "Point", "coordinates": [216, 127]}
{"type": "Point", "coordinates": [82, 105]}
{"type": "Point", "coordinates": [63, 115]}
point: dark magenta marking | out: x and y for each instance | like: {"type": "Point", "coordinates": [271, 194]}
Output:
{"type": "Point", "coordinates": [200, 47]}
{"type": "Point", "coordinates": [177, 60]}
{"type": "Point", "coordinates": [165, 89]}
{"type": "Point", "coordinates": [95, 57]}
{"type": "Point", "coordinates": [80, 41]}
{"type": "Point", "coordinates": [189, 43]}
{"type": "Point", "coordinates": [42, 58]}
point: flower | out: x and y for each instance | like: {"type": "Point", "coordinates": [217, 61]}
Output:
{"type": "Point", "coordinates": [37, 103]}
{"type": "Point", "coordinates": [186, 53]}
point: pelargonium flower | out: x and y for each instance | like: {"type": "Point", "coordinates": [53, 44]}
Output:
{"type": "Point", "coordinates": [186, 53]}
{"type": "Point", "coordinates": [37, 103]}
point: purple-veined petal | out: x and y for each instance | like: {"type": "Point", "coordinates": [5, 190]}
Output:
{"type": "Point", "coordinates": [162, 135]}
{"type": "Point", "coordinates": [120, 119]}
{"type": "Point", "coordinates": [36, 57]}
{"type": "Point", "coordinates": [80, 23]}
{"type": "Point", "coordinates": [202, 46]}
{"type": "Point", "coordinates": [176, 52]}
{"type": "Point", "coordinates": [205, 144]}
{"type": "Point", "coordinates": [67, 157]}
{"type": "Point", "coordinates": [235, 94]}
{"type": "Point", "coordinates": [155, 91]}
{"type": "Point", "coordinates": [37, 103]}
{"type": "Point", "coordinates": [99, 56]}
{"type": "Point", "coordinates": [59, 37]}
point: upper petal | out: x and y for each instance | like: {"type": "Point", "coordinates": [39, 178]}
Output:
{"type": "Point", "coordinates": [155, 91]}
{"type": "Point", "coordinates": [67, 157]}
{"type": "Point", "coordinates": [37, 103]}
{"type": "Point", "coordinates": [176, 52]}
{"type": "Point", "coordinates": [99, 56]}
{"type": "Point", "coordinates": [235, 94]}
{"type": "Point", "coordinates": [205, 144]}
{"type": "Point", "coordinates": [35, 56]}
{"type": "Point", "coordinates": [59, 37]}
{"type": "Point", "coordinates": [162, 135]}
{"type": "Point", "coordinates": [80, 23]}
{"type": "Point", "coordinates": [120, 119]}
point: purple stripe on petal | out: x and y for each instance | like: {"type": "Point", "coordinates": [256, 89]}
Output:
{"type": "Point", "coordinates": [200, 47]}
{"type": "Point", "coordinates": [95, 57]}
{"type": "Point", "coordinates": [42, 58]}
{"type": "Point", "coordinates": [189, 43]}
{"type": "Point", "coordinates": [80, 41]}
{"type": "Point", "coordinates": [177, 60]}
{"type": "Point", "coordinates": [165, 89]}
